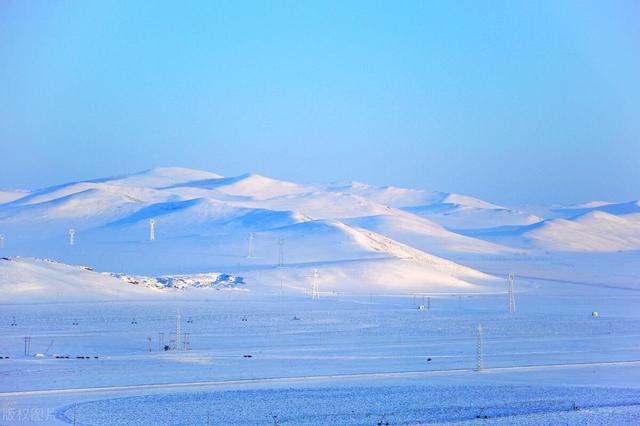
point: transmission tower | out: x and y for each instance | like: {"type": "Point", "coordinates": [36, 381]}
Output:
{"type": "Point", "coordinates": [512, 296]}
{"type": "Point", "coordinates": [177, 329]}
{"type": "Point", "coordinates": [250, 246]}
{"type": "Point", "coordinates": [479, 364]}
{"type": "Point", "coordinates": [315, 292]}
{"type": "Point", "coordinates": [152, 229]}
{"type": "Point", "coordinates": [72, 236]}
{"type": "Point", "coordinates": [280, 252]}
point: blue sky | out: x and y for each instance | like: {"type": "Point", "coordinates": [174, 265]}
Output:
{"type": "Point", "coordinates": [514, 102]}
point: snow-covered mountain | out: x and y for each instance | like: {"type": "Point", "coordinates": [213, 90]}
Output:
{"type": "Point", "coordinates": [389, 237]}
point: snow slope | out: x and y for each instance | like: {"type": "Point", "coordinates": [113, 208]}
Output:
{"type": "Point", "coordinates": [424, 234]}
{"type": "Point", "coordinates": [39, 281]}
{"type": "Point", "coordinates": [31, 280]}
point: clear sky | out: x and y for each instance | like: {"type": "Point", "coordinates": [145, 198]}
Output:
{"type": "Point", "coordinates": [511, 101]}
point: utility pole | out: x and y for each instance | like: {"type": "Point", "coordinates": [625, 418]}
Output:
{"type": "Point", "coordinates": [149, 341]}
{"type": "Point", "coordinates": [512, 296]}
{"type": "Point", "coordinates": [479, 361]}
{"type": "Point", "coordinates": [72, 236]}
{"type": "Point", "coordinates": [160, 342]}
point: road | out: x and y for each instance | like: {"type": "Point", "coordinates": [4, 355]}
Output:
{"type": "Point", "coordinates": [215, 383]}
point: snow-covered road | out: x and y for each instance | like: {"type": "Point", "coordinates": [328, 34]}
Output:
{"type": "Point", "coordinates": [304, 379]}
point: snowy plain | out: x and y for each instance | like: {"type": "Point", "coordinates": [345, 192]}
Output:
{"type": "Point", "coordinates": [262, 351]}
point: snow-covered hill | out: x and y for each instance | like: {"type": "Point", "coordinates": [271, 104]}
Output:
{"type": "Point", "coordinates": [426, 235]}
{"type": "Point", "coordinates": [595, 231]}
{"type": "Point", "coordinates": [38, 280]}
{"type": "Point", "coordinates": [43, 280]}
{"type": "Point", "coordinates": [455, 211]}
{"type": "Point", "coordinates": [359, 234]}
{"type": "Point", "coordinates": [630, 207]}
